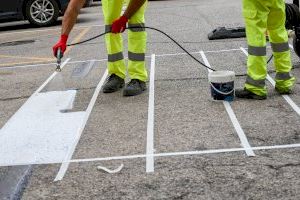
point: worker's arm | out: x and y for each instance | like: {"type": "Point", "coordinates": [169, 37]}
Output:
{"type": "Point", "coordinates": [68, 22]}
{"type": "Point", "coordinates": [134, 5]}
{"type": "Point", "coordinates": [70, 15]}
{"type": "Point", "coordinates": [119, 25]}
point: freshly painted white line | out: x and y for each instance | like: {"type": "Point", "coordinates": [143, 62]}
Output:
{"type": "Point", "coordinates": [150, 126]}
{"type": "Point", "coordinates": [286, 97]}
{"type": "Point", "coordinates": [187, 153]}
{"type": "Point", "coordinates": [65, 165]}
{"type": "Point", "coordinates": [235, 122]}
{"type": "Point", "coordinates": [167, 154]}
{"type": "Point", "coordinates": [51, 77]}
{"type": "Point", "coordinates": [39, 130]}
{"type": "Point", "coordinates": [238, 129]}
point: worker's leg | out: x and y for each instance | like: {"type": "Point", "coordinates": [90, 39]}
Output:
{"type": "Point", "coordinates": [137, 38]}
{"type": "Point", "coordinates": [114, 42]}
{"type": "Point", "coordinates": [279, 42]}
{"type": "Point", "coordinates": [255, 14]}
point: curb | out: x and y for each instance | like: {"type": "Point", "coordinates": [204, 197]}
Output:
{"type": "Point", "coordinates": [14, 181]}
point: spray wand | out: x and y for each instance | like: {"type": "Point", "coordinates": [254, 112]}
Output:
{"type": "Point", "coordinates": [59, 56]}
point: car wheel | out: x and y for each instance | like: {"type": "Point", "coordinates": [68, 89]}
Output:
{"type": "Point", "coordinates": [42, 12]}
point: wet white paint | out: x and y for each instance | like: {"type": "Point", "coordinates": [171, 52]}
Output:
{"type": "Point", "coordinates": [38, 131]}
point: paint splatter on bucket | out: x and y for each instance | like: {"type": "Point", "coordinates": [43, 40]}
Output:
{"type": "Point", "coordinates": [222, 85]}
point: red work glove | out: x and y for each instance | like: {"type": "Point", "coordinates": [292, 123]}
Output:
{"type": "Point", "coordinates": [62, 44]}
{"type": "Point", "coordinates": [119, 25]}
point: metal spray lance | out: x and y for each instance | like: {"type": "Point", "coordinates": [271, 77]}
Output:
{"type": "Point", "coordinates": [59, 56]}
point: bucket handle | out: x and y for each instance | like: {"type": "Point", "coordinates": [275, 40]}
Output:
{"type": "Point", "coordinates": [224, 93]}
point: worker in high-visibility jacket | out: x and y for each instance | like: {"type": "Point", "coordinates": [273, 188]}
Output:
{"type": "Point", "coordinates": [116, 23]}
{"type": "Point", "coordinates": [263, 16]}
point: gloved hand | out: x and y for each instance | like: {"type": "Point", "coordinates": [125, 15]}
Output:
{"type": "Point", "coordinates": [119, 25]}
{"type": "Point", "coordinates": [62, 44]}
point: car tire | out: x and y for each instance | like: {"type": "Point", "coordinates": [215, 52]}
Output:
{"type": "Point", "coordinates": [42, 12]}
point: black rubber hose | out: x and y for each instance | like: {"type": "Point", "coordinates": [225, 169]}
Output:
{"type": "Point", "coordinates": [147, 27]}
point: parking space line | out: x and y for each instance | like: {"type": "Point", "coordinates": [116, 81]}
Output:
{"type": "Point", "coordinates": [50, 78]}
{"type": "Point", "coordinates": [235, 122]}
{"type": "Point", "coordinates": [186, 153]}
{"type": "Point", "coordinates": [169, 154]}
{"type": "Point", "coordinates": [150, 126]}
{"type": "Point", "coordinates": [64, 167]}
{"type": "Point", "coordinates": [294, 106]}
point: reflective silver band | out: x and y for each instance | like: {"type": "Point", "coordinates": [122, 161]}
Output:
{"type": "Point", "coordinates": [107, 28]}
{"type": "Point", "coordinates": [283, 76]}
{"type": "Point", "coordinates": [138, 27]}
{"type": "Point", "coordinates": [258, 83]}
{"type": "Point", "coordinates": [280, 47]}
{"type": "Point", "coordinates": [115, 57]}
{"type": "Point", "coordinates": [257, 51]}
{"type": "Point", "coordinates": [136, 56]}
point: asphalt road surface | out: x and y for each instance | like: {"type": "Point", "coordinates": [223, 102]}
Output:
{"type": "Point", "coordinates": [173, 141]}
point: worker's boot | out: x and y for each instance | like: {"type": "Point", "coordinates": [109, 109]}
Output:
{"type": "Point", "coordinates": [284, 91]}
{"type": "Point", "coordinates": [246, 94]}
{"type": "Point", "coordinates": [134, 87]}
{"type": "Point", "coordinates": [113, 84]}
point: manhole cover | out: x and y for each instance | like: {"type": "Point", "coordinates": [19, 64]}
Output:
{"type": "Point", "coordinates": [15, 43]}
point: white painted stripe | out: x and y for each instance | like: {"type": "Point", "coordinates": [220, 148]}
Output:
{"type": "Point", "coordinates": [235, 122]}
{"type": "Point", "coordinates": [64, 167]}
{"type": "Point", "coordinates": [150, 126]}
{"type": "Point", "coordinates": [50, 78]}
{"type": "Point", "coordinates": [187, 153]}
{"type": "Point", "coordinates": [238, 129]}
{"type": "Point", "coordinates": [39, 130]}
{"type": "Point", "coordinates": [286, 97]}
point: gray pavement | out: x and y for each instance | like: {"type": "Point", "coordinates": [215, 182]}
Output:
{"type": "Point", "coordinates": [198, 153]}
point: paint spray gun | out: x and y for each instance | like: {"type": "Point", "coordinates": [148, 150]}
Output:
{"type": "Point", "coordinates": [59, 56]}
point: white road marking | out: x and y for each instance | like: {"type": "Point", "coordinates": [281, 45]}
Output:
{"type": "Point", "coordinates": [38, 129]}
{"type": "Point", "coordinates": [294, 106]}
{"type": "Point", "coordinates": [150, 126]}
{"type": "Point", "coordinates": [168, 154]}
{"type": "Point", "coordinates": [64, 167]}
{"type": "Point", "coordinates": [187, 153]}
{"type": "Point", "coordinates": [235, 122]}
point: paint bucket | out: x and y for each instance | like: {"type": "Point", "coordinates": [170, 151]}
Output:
{"type": "Point", "coordinates": [222, 85]}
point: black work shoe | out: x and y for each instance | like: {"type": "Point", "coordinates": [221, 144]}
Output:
{"type": "Point", "coordinates": [134, 87]}
{"type": "Point", "coordinates": [246, 94]}
{"type": "Point", "coordinates": [284, 92]}
{"type": "Point", "coordinates": [113, 84]}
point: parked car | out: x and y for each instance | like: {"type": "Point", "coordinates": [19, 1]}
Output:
{"type": "Point", "coordinates": [37, 12]}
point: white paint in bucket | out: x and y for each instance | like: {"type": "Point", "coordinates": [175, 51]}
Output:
{"type": "Point", "coordinates": [222, 85]}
